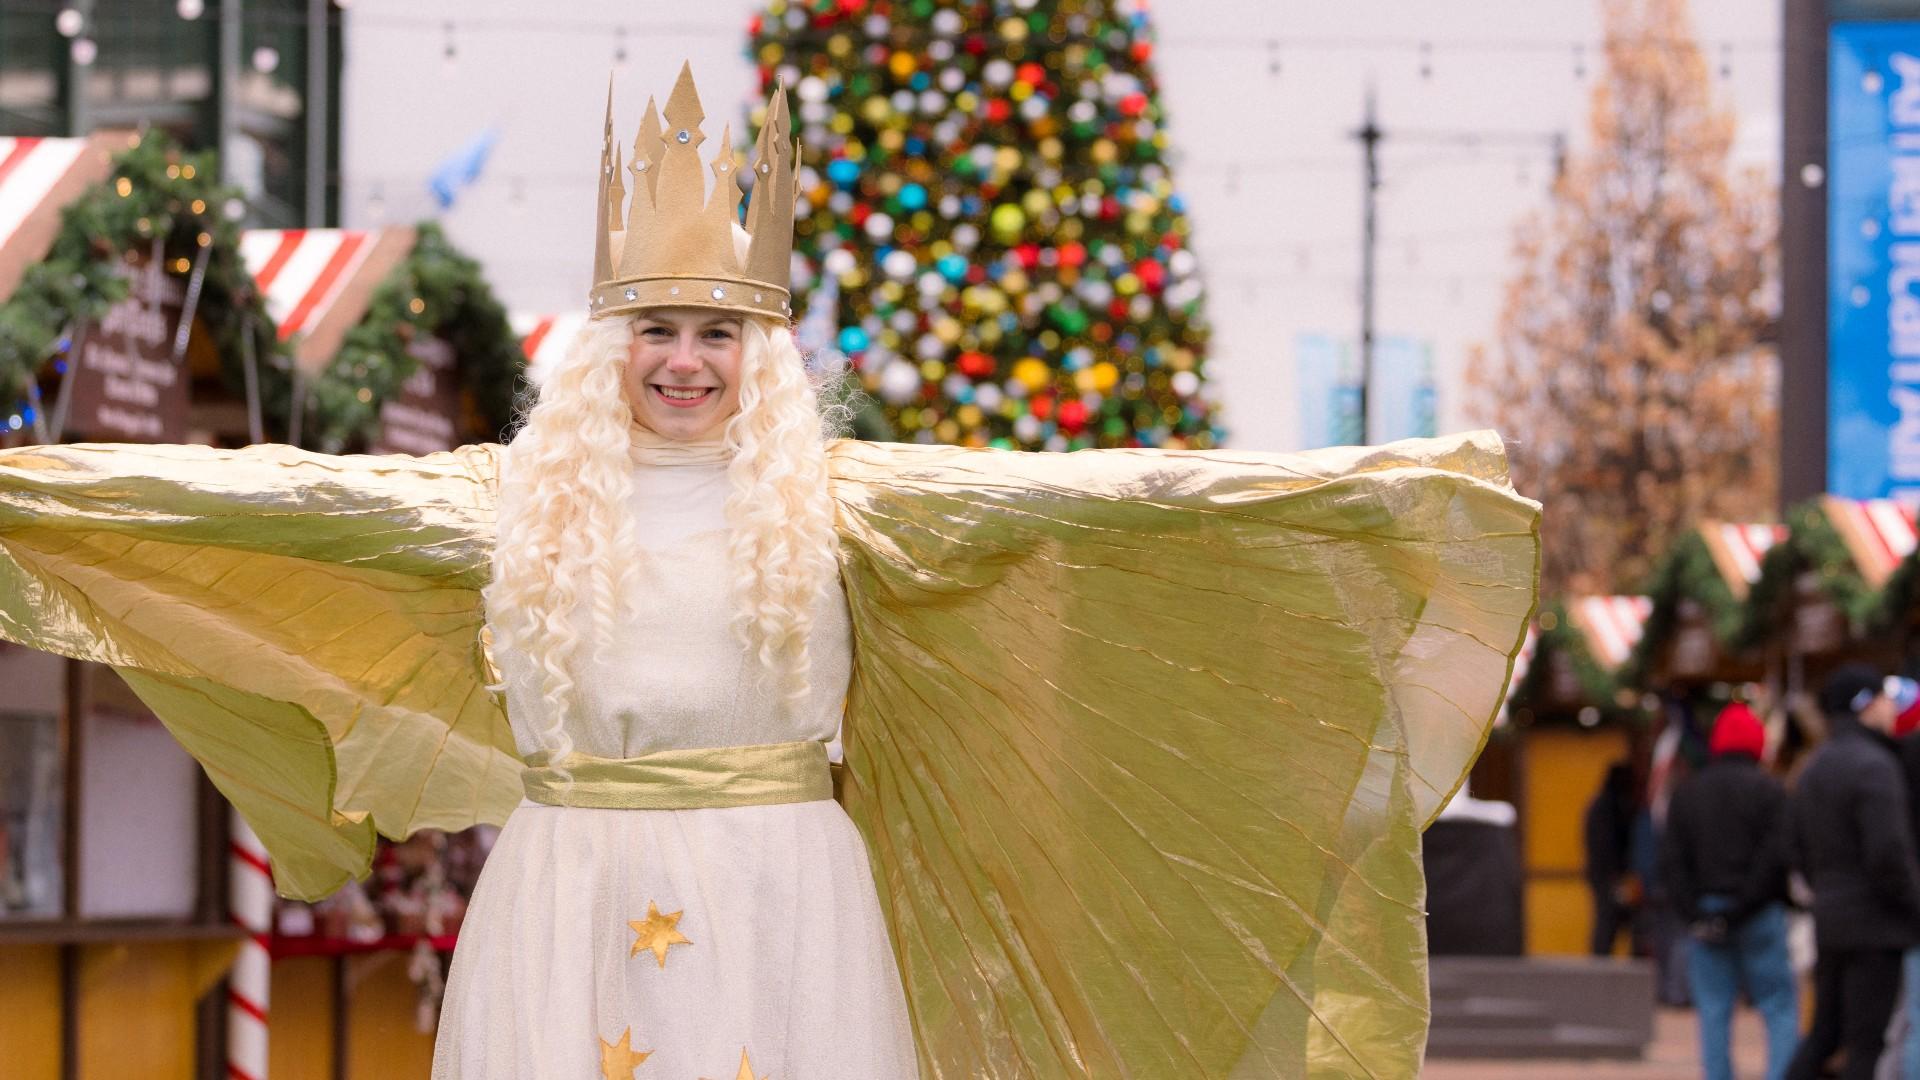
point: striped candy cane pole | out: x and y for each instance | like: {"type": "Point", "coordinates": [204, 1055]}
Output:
{"type": "Point", "coordinates": [250, 895]}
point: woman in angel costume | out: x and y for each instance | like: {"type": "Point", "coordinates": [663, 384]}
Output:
{"type": "Point", "coordinates": [1138, 744]}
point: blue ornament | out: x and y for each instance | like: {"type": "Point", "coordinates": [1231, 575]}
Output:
{"type": "Point", "coordinates": [843, 171]}
{"type": "Point", "coordinates": [952, 267]}
{"type": "Point", "coordinates": [27, 414]}
{"type": "Point", "coordinates": [1177, 203]}
{"type": "Point", "coordinates": [913, 197]}
{"type": "Point", "coordinates": [853, 340]}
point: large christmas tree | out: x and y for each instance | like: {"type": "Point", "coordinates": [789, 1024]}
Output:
{"type": "Point", "coordinates": [984, 182]}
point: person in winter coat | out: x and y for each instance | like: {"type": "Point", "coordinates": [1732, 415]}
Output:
{"type": "Point", "coordinates": [1906, 732]}
{"type": "Point", "coordinates": [1609, 830]}
{"type": "Point", "coordinates": [1851, 839]}
{"type": "Point", "coordinates": [1724, 863]}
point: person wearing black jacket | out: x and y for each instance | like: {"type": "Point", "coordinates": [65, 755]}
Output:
{"type": "Point", "coordinates": [1724, 862]}
{"type": "Point", "coordinates": [1909, 1047]}
{"type": "Point", "coordinates": [1850, 836]}
{"type": "Point", "coordinates": [1608, 830]}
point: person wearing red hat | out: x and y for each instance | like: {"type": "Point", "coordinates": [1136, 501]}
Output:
{"type": "Point", "coordinates": [1724, 862]}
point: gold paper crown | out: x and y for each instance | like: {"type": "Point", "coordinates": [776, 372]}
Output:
{"type": "Point", "coordinates": [676, 246]}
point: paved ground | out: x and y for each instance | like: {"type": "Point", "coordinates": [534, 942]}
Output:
{"type": "Point", "coordinates": [1674, 1055]}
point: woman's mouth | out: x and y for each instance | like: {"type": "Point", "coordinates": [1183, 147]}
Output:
{"type": "Point", "coordinates": [683, 397]}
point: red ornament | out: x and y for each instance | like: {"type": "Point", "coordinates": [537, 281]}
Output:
{"type": "Point", "coordinates": [1073, 416]}
{"type": "Point", "coordinates": [975, 365]}
{"type": "Point", "coordinates": [998, 110]}
{"type": "Point", "coordinates": [975, 45]}
{"type": "Point", "coordinates": [1133, 104]}
{"type": "Point", "coordinates": [1142, 51]}
{"type": "Point", "coordinates": [1109, 208]}
{"type": "Point", "coordinates": [1032, 74]}
{"type": "Point", "coordinates": [859, 214]}
{"type": "Point", "coordinates": [1117, 309]}
{"type": "Point", "coordinates": [1151, 274]}
{"type": "Point", "coordinates": [852, 6]}
{"type": "Point", "coordinates": [1041, 406]}
{"type": "Point", "coordinates": [1028, 254]}
{"type": "Point", "coordinates": [1073, 254]}
{"type": "Point", "coordinates": [976, 274]}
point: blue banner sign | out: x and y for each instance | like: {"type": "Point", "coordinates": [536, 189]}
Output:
{"type": "Point", "coordinates": [1873, 260]}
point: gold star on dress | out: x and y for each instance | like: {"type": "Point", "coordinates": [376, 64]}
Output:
{"type": "Point", "coordinates": [746, 1068]}
{"type": "Point", "coordinates": [657, 932]}
{"type": "Point", "coordinates": [618, 1060]}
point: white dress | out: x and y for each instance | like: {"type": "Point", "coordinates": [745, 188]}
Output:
{"type": "Point", "coordinates": [569, 965]}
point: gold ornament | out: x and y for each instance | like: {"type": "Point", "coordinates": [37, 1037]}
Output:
{"type": "Point", "coordinates": [618, 1060]}
{"type": "Point", "coordinates": [746, 1068]}
{"type": "Point", "coordinates": [672, 243]}
{"type": "Point", "coordinates": [657, 932]}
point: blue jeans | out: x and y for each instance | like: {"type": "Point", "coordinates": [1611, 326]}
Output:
{"type": "Point", "coordinates": [1910, 1043]}
{"type": "Point", "coordinates": [1754, 957]}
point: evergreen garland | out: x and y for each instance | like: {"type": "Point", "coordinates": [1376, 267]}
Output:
{"type": "Point", "coordinates": [1812, 544]}
{"type": "Point", "coordinates": [155, 191]}
{"type": "Point", "coordinates": [1898, 598]}
{"type": "Point", "coordinates": [1687, 572]}
{"type": "Point", "coordinates": [436, 291]}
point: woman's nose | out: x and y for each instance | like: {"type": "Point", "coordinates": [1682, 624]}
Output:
{"type": "Point", "coordinates": [683, 360]}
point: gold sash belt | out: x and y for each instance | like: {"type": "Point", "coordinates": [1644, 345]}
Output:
{"type": "Point", "coordinates": [685, 779]}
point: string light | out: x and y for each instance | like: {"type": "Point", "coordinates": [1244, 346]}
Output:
{"type": "Point", "coordinates": [1269, 45]}
{"type": "Point", "coordinates": [69, 22]}
{"type": "Point", "coordinates": [190, 9]}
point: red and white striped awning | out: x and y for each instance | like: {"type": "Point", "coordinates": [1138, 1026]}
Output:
{"type": "Point", "coordinates": [318, 282]}
{"type": "Point", "coordinates": [1737, 551]}
{"type": "Point", "coordinates": [1610, 625]}
{"type": "Point", "coordinates": [545, 339]}
{"type": "Point", "coordinates": [1879, 534]}
{"type": "Point", "coordinates": [37, 178]}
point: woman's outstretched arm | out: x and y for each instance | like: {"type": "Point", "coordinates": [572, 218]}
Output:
{"type": "Point", "coordinates": [307, 625]}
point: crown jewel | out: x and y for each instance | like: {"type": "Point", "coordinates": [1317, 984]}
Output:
{"type": "Point", "coordinates": [670, 243]}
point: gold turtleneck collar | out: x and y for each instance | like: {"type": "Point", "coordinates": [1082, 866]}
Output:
{"type": "Point", "coordinates": [645, 447]}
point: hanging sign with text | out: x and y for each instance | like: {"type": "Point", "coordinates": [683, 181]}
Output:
{"type": "Point", "coordinates": [126, 386]}
{"type": "Point", "coordinates": [425, 416]}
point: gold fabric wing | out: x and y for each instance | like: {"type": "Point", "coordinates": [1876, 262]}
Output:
{"type": "Point", "coordinates": [1142, 743]}
{"type": "Point", "coordinates": [307, 626]}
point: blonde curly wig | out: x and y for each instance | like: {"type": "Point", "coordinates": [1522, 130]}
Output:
{"type": "Point", "coordinates": [563, 570]}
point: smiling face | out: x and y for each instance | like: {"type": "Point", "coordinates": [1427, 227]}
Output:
{"type": "Point", "coordinates": [682, 378]}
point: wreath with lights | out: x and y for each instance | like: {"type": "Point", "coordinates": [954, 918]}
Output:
{"type": "Point", "coordinates": [436, 291]}
{"type": "Point", "coordinates": [157, 200]}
